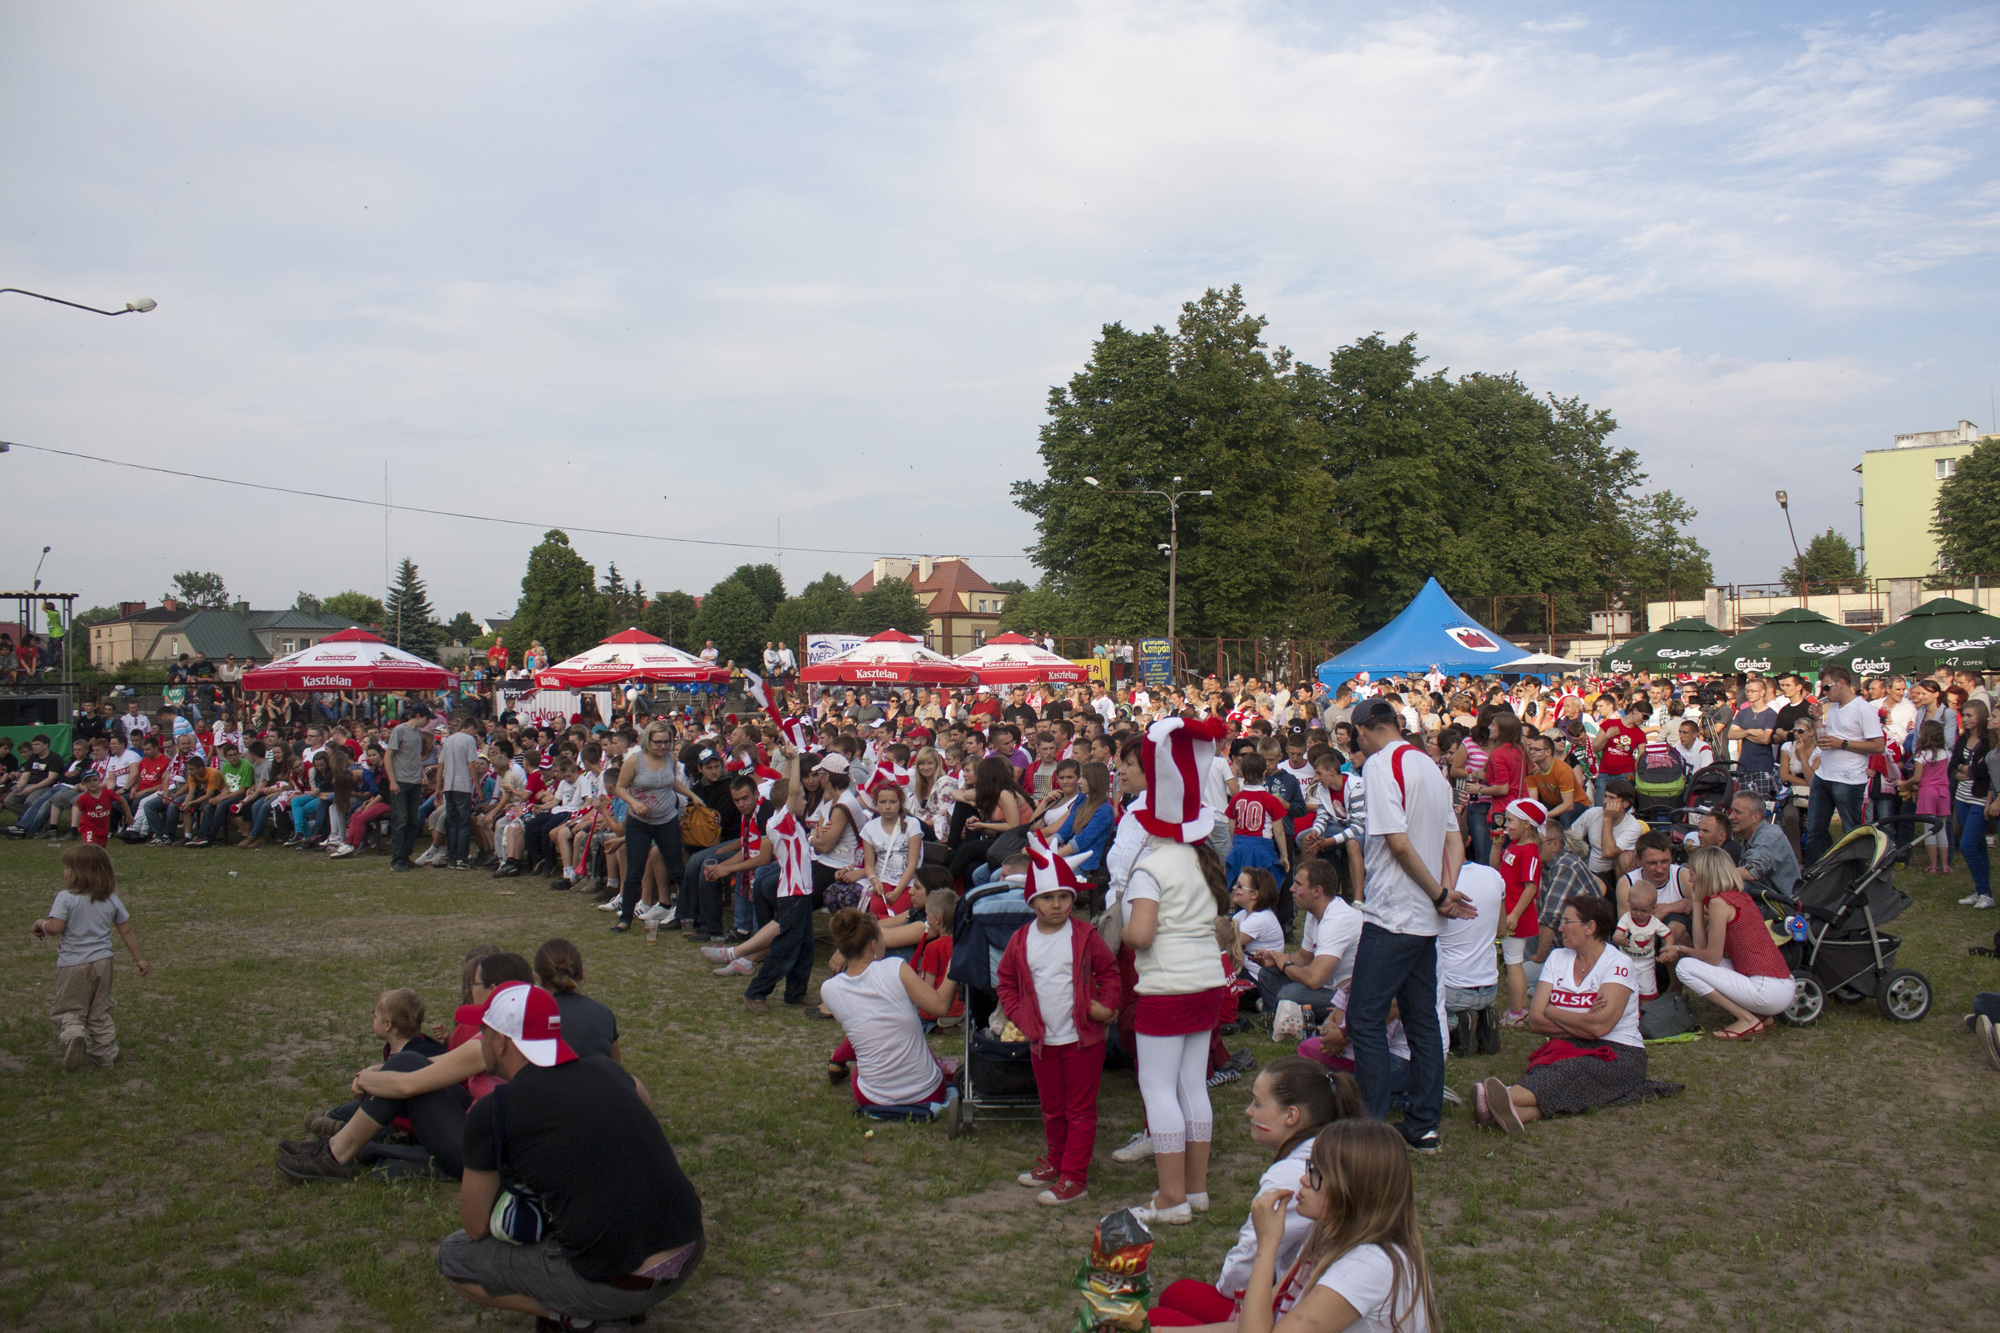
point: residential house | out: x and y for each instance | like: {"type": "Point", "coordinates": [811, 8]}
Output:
{"type": "Point", "coordinates": [964, 608]}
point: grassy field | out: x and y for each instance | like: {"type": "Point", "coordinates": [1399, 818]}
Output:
{"type": "Point", "coordinates": [1833, 1178]}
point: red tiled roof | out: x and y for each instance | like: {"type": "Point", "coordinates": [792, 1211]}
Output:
{"type": "Point", "coordinates": [948, 579]}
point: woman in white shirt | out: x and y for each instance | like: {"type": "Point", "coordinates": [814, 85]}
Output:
{"type": "Point", "coordinates": [880, 1002]}
{"type": "Point", "coordinates": [1356, 1183]}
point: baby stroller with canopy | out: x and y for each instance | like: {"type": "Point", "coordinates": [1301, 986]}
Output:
{"type": "Point", "coordinates": [996, 1075]}
{"type": "Point", "coordinates": [1831, 933]}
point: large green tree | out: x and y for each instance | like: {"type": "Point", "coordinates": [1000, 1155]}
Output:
{"type": "Point", "coordinates": [1037, 611]}
{"type": "Point", "coordinates": [670, 618]}
{"type": "Point", "coordinates": [732, 617]}
{"type": "Point", "coordinates": [1828, 562]}
{"type": "Point", "coordinates": [357, 606]}
{"type": "Point", "coordinates": [824, 606]}
{"type": "Point", "coordinates": [623, 602]}
{"type": "Point", "coordinates": [763, 580]}
{"type": "Point", "coordinates": [463, 628]}
{"type": "Point", "coordinates": [407, 618]}
{"type": "Point", "coordinates": [98, 615]}
{"type": "Point", "coordinates": [560, 604]}
{"type": "Point", "coordinates": [890, 604]}
{"type": "Point", "coordinates": [1967, 519]}
{"type": "Point", "coordinates": [198, 588]}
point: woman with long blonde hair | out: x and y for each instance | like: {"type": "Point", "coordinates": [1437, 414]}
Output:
{"type": "Point", "coordinates": [1362, 1267]}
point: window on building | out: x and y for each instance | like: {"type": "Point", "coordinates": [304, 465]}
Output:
{"type": "Point", "coordinates": [286, 646]}
{"type": "Point", "coordinates": [1947, 467]}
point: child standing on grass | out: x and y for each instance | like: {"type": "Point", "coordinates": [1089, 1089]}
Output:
{"type": "Point", "coordinates": [1059, 985]}
{"type": "Point", "coordinates": [84, 915]}
{"type": "Point", "coordinates": [1930, 784]}
{"type": "Point", "coordinates": [1520, 867]}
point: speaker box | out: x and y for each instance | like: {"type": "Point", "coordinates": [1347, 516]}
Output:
{"type": "Point", "coordinates": [30, 710]}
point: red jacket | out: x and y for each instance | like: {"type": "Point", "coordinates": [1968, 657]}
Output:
{"type": "Point", "coordinates": [1093, 976]}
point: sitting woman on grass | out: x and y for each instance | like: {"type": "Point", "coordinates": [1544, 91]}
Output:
{"type": "Point", "coordinates": [1733, 962]}
{"type": "Point", "coordinates": [1586, 1006]}
{"type": "Point", "coordinates": [881, 1003]}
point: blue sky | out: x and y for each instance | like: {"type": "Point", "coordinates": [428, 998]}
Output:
{"type": "Point", "coordinates": [799, 264]}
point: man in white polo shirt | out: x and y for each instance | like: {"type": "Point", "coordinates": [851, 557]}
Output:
{"type": "Point", "coordinates": [1850, 731]}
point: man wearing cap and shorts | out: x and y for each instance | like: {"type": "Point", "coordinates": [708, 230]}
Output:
{"type": "Point", "coordinates": [623, 1227]}
{"type": "Point", "coordinates": [1411, 862]}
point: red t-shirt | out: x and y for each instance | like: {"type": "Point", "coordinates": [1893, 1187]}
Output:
{"type": "Point", "coordinates": [497, 656]}
{"type": "Point", "coordinates": [1621, 752]}
{"type": "Point", "coordinates": [933, 960]}
{"type": "Point", "coordinates": [93, 812]}
{"type": "Point", "coordinates": [1254, 813]}
{"type": "Point", "coordinates": [1504, 768]}
{"type": "Point", "coordinates": [1520, 871]}
{"type": "Point", "coordinates": [151, 771]}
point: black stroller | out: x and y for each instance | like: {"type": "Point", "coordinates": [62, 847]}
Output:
{"type": "Point", "coordinates": [1842, 906]}
{"type": "Point", "coordinates": [996, 1075]}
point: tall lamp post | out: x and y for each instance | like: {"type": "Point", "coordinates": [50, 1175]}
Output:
{"type": "Point", "coordinates": [138, 307]}
{"type": "Point", "coordinates": [1785, 503]}
{"type": "Point", "coordinates": [1173, 499]}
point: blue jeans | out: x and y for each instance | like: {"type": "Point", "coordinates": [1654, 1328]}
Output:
{"type": "Point", "coordinates": [791, 955]}
{"type": "Point", "coordinates": [640, 840]}
{"type": "Point", "coordinates": [1400, 969]}
{"type": "Point", "coordinates": [305, 815]}
{"type": "Point", "coordinates": [1479, 832]}
{"type": "Point", "coordinates": [260, 811]}
{"type": "Point", "coordinates": [457, 825]}
{"type": "Point", "coordinates": [1850, 798]}
{"type": "Point", "coordinates": [39, 807]}
{"type": "Point", "coordinates": [1972, 842]}
{"type": "Point", "coordinates": [1987, 1003]}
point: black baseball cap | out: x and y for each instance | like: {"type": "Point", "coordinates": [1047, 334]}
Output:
{"type": "Point", "coordinates": [1376, 713]}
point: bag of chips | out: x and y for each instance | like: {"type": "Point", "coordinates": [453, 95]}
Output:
{"type": "Point", "coordinates": [1114, 1280]}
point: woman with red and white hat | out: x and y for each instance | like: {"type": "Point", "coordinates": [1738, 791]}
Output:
{"type": "Point", "coordinates": [1169, 906]}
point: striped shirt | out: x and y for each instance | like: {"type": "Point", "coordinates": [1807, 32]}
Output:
{"type": "Point", "coordinates": [1346, 819]}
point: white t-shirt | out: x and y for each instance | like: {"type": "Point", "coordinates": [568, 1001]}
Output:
{"type": "Point", "coordinates": [1049, 963]}
{"type": "Point", "coordinates": [1364, 1277]}
{"type": "Point", "coordinates": [1902, 717]}
{"type": "Point", "coordinates": [1283, 1174]}
{"type": "Point", "coordinates": [1466, 960]}
{"type": "Point", "coordinates": [843, 853]}
{"type": "Point", "coordinates": [1669, 896]}
{"type": "Point", "coordinates": [892, 1065]}
{"type": "Point", "coordinates": [1565, 992]}
{"type": "Point", "coordinates": [1257, 930]}
{"type": "Point", "coordinates": [1215, 784]}
{"type": "Point", "coordinates": [1590, 825]}
{"type": "Point", "coordinates": [892, 846]}
{"type": "Point", "coordinates": [1336, 933]}
{"type": "Point", "coordinates": [119, 769]}
{"type": "Point", "coordinates": [1855, 720]}
{"type": "Point", "coordinates": [1420, 807]}
{"type": "Point", "coordinates": [1642, 946]}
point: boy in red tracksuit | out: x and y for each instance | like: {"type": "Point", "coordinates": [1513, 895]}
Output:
{"type": "Point", "coordinates": [1059, 985]}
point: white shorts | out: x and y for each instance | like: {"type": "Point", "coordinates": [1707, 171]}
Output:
{"type": "Point", "coordinates": [1514, 950]}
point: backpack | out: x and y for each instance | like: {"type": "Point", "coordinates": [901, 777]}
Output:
{"type": "Point", "coordinates": [1669, 1016]}
{"type": "Point", "coordinates": [700, 827]}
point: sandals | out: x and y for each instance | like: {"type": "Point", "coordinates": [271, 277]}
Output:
{"type": "Point", "coordinates": [1756, 1029]}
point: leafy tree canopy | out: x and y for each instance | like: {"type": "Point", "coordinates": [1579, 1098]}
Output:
{"type": "Point", "coordinates": [98, 615]}
{"type": "Point", "coordinates": [623, 601]}
{"type": "Point", "coordinates": [670, 618]}
{"type": "Point", "coordinates": [1828, 559]}
{"type": "Point", "coordinates": [1967, 519]}
{"type": "Point", "coordinates": [825, 606]}
{"type": "Point", "coordinates": [356, 606]}
{"type": "Point", "coordinates": [560, 604]}
{"type": "Point", "coordinates": [463, 628]}
{"type": "Point", "coordinates": [732, 617]}
{"type": "Point", "coordinates": [890, 604]}
{"type": "Point", "coordinates": [193, 587]}
{"type": "Point", "coordinates": [765, 581]}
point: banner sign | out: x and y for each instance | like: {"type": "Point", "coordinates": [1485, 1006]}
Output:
{"type": "Point", "coordinates": [821, 647]}
{"type": "Point", "coordinates": [1156, 663]}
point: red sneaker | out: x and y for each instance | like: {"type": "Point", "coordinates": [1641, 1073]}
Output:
{"type": "Point", "coordinates": [1062, 1192]}
{"type": "Point", "coordinates": [1041, 1174]}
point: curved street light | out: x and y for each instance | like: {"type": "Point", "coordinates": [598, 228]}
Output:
{"type": "Point", "coordinates": [138, 307]}
{"type": "Point", "coordinates": [1173, 499]}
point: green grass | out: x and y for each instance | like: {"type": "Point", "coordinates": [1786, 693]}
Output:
{"type": "Point", "coordinates": [1838, 1177]}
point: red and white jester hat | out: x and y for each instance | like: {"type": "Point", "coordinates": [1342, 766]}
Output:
{"type": "Point", "coordinates": [1176, 758]}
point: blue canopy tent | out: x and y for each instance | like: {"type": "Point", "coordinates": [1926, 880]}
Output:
{"type": "Point", "coordinates": [1431, 631]}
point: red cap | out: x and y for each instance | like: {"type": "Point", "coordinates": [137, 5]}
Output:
{"type": "Point", "coordinates": [525, 1015]}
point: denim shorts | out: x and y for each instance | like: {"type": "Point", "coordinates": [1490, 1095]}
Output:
{"type": "Point", "coordinates": [1478, 998]}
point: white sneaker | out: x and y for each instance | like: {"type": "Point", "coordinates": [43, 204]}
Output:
{"type": "Point", "coordinates": [739, 967]}
{"type": "Point", "coordinates": [1137, 1149]}
{"type": "Point", "coordinates": [1985, 901]}
{"type": "Point", "coordinates": [718, 953]}
{"type": "Point", "coordinates": [1970, 899]}
{"type": "Point", "coordinates": [1179, 1215]}
{"type": "Point", "coordinates": [608, 905]}
{"type": "Point", "coordinates": [655, 912]}
{"type": "Point", "coordinates": [664, 915]}
{"type": "Point", "coordinates": [345, 849]}
{"type": "Point", "coordinates": [1453, 1098]}
{"type": "Point", "coordinates": [1289, 1021]}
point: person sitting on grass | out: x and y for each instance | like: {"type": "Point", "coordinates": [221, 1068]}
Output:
{"type": "Point", "coordinates": [1586, 1005]}
{"type": "Point", "coordinates": [1732, 960]}
{"type": "Point", "coordinates": [1291, 1101]}
{"type": "Point", "coordinates": [588, 1026]}
{"type": "Point", "coordinates": [398, 1023]}
{"type": "Point", "coordinates": [623, 1223]}
{"type": "Point", "coordinates": [879, 1002]}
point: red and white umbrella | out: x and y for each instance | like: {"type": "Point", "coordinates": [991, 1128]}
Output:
{"type": "Point", "coordinates": [353, 659]}
{"type": "Point", "coordinates": [890, 658]}
{"type": "Point", "coordinates": [631, 654]}
{"type": "Point", "coordinates": [1014, 659]}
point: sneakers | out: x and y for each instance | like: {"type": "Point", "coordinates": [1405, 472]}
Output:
{"type": "Point", "coordinates": [345, 849]}
{"type": "Point", "coordinates": [1985, 902]}
{"type": "Point", "coordinates": [1242, 1062]}
{"type": "Point", "coordinates": [74, 1053]}
{"type": "Point", "coordinates": [1480, 1111]}
{"type": "Point", "coordinates": [1970, 899]}
{"type": "Point", "coordinates": [316, 1164]}
{"type": "Point", "coordinates": [608, 905]}
{"type": "Point", "coordinates": [1514, 1018]}
{"type": "Point", "coordinates": [1137, 1149]}
{"type": "Point", "coordinates": [1179, 1215]}
{"type": "Point", "coordinates": [714, 953]}
{"type": "Point", "coordinates": [1062, 1192]}
{"type": "Point", "coordinates": [1041, 1173]}
{"type": "Point", "coordinates": [1223, 1075]}
{"type": "Point", "coordinates": [736, 967]}
{"type": "Point", "coordinates": [458, 865]}
{"type": "Point", "coordinates": [1289, 1021]}
{"type": "Point", "coordinates": [506, 870]}
{"type": "Point", "coordinates": [1500, 1110]}
{"type": "Point", "coordinates": [1453, 1099]}
{"type": "Point", "coordinates": [1989, 1041]}
{"type": "Point", "coordinates": [1425, 1145]}
{"type": "Point", "coordinates": [663, 915]}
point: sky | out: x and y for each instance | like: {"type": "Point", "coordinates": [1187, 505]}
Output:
{"type": "Point", "coordinates": [804, 274]}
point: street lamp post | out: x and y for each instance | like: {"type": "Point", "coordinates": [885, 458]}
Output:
{"type": "Point", "coordinates": [1785, 503]}
{"type": "Point", "coordinates": [138, 307]}
{"type": "Point", "coordinates": [1173, 499]}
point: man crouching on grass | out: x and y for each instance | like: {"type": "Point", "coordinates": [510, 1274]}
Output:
{"type": "Point", "coordinates": [621, 1226]}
